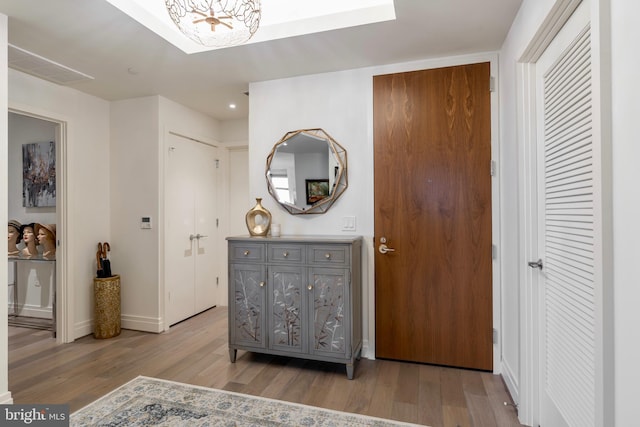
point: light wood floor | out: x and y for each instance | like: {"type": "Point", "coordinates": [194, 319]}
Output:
{"type": "Point", "coordinates": [195, 352]}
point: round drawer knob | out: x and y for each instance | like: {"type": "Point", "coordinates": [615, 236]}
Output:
{"type": "Point", "coordinates": [247, 252]}
{"type": "Point", "coordinates": [327, 255]}
{"type": "Point", "coordinates": [261, 284]}
{"type": "Point", "coordinates": [285, 254]}
{"type": "Point", "coordinates": [310, 287]}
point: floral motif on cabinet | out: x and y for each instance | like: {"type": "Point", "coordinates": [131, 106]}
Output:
{"type": "Point", "coordinates": [248, 306]}
{"type": "Point", "coordinates": [328, 305]}
{"type": "Point", "coordinates": [286, 309]}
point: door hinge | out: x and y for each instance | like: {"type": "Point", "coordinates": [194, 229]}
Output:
{"type": "Point", "coordinates": [217, 280]}
{"type": "Point", "coordinates": [494, 168]}
{"type": "Point", "coordinates": [492, 84]}
{"type": "Point", "coordinates": [495, 336]}
{"type": "Point", "coordinates": [217, 163]}
{"type": "Point", "coordinates": [217, 222]}
{"type": "Point", "coordinates": [494, 252]}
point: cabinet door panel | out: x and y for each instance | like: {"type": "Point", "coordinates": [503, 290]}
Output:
{"type": "Point", "coordinates": [330, 302]}
{"type": "Point", "coordinates": [247, 300]}
{"type": "Point", "coordinates": [288, 309]}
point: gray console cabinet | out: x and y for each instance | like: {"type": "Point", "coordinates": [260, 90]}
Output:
{"type": "Point", "coordinates": [296, 296]}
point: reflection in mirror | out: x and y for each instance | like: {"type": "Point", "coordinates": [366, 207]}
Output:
{"type": "Point", "coordinates": [307, 171]}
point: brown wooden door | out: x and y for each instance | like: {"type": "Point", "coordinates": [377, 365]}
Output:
{"type": "Point", "coordinates": [432, 154]}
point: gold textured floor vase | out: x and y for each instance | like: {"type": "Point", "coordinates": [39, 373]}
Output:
{"type": "Point", "coordinates": [106, 315]}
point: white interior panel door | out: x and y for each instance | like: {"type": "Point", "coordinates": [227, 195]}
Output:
{"type": "Point", "coordinates": [567, 318]}
{"type": "Point", "coordinates": [190, 197]}
{"type": "Point", "coordinates": [205, 227]}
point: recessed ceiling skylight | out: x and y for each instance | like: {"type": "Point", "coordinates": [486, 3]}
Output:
{"type": "Point", "coordinates": [280, 18]}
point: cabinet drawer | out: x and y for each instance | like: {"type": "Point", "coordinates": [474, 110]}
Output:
{"type": "Point", "coordinates": [246, 252]}
{"type": "Point", "coordinates": [328, 255]}
{"type": "Point", "coordinates": [285, 253]}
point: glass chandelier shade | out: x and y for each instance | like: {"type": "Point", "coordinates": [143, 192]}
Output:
{"type": "Point", "coordinates": [216, 23]}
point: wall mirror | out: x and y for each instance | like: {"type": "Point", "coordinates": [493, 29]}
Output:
{"type": "Point", "coordinates": [306, 171]}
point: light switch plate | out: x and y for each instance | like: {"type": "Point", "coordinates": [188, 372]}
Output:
{"type": "Point", "coordinates": [349, 223]}
{"type": "Point", "coordinates": [145, 222]}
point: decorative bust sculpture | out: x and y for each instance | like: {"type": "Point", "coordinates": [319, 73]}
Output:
{"type": "Point", "coordinates": [46, 235]}
{"type": "Point", "coordinates": [29, 237]}
{"type": "Point", "coordinates": [14, 237]}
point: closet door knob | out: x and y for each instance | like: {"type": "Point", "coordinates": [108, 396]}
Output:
{"type": "Point", "coordinates": [261, 284]}
{"type": "Point", "coordinates": [310, 287]}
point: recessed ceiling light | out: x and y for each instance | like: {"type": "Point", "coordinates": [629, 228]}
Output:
{"type": "Point", "coordinates": [232, 106]}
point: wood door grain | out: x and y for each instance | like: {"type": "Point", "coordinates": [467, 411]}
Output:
{"type": "Point", "coordinates": [432, 154]}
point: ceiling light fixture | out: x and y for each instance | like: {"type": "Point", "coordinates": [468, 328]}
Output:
{"type": "Point", "coordinates": [216, 23]}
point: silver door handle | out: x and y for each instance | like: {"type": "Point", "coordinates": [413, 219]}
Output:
{"type": "Point", "coordinates": [383, 249]}
{"type": "Point", "coordinates": [200, 236]}
{"type": "Point", "coordinates": [191, 237]}
{"type": "Point", "coordinates": [536, 264]}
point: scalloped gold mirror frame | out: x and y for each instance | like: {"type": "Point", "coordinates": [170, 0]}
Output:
{"type": "Point", "coordinates": [336, 166]}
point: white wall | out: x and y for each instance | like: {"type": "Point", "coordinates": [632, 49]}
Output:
{"type": "Point", "coordinates": [138, 131]}
{"type": "Point", "coordinates": [336, 102]}
{"type": "Point", "coordinates": [133, 178]}
{"type": "Point", "coordinates": [626, 206]}
{"type": "Point", "coordinates": [526, 23]}
{"type": "Point", "coordinates": [87, 150]}
{"type": "Point", "coordinates": [5, 395]}
{"type": "Point", "coordinates": [235, 189]}
{"type": "Point", "coordinates": [235, 132]}
{"type": "Point", "coordinates": [341, 103]}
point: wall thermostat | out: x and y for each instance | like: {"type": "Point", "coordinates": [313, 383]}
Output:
{"type": "Point", "coordinates": [145, 222]}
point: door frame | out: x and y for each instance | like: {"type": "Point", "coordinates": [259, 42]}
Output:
{"type": "Point", "coordinates": [64, 287]}
{"type": "Point", "coordinates": [487, 169]}
{"type": "Point", "coordinates": [496, 191]}
{"type": "Point", "coordinates": [529, 389]}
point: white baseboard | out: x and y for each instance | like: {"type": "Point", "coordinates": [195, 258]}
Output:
{"type": "Point", "coordinates": [367, 352]}
{"type": "Point", "coordinates": [6, 398]}
{"type": "Point", "coordinates": [32, 311]}
{"type": "Point", "coordinates": [511, 381]}
{"type": "Point", "coordinates": [135, 323]}
{"type": "Point", "coordinates": [82, 329]}
{"type": "Point", "coordinates": [144, 324]}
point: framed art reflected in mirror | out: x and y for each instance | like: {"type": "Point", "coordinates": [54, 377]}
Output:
{"type": "Point", "coordinates": [317, 189]}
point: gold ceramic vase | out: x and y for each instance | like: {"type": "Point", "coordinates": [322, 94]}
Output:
{"type": "Point", "coordinates": [258, 219]}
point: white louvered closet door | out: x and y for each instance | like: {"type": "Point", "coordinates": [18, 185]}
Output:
{"type": "Point", "coordinates": [567, 358]}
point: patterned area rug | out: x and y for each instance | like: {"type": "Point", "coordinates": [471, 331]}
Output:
{"type": "Point", "coordinates": [146, 401]}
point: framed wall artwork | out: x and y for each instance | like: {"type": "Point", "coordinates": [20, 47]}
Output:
{"type": "Point", "coordinates": [317, 189]}
{"type": "Point", "coordinates": [39, 174]}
